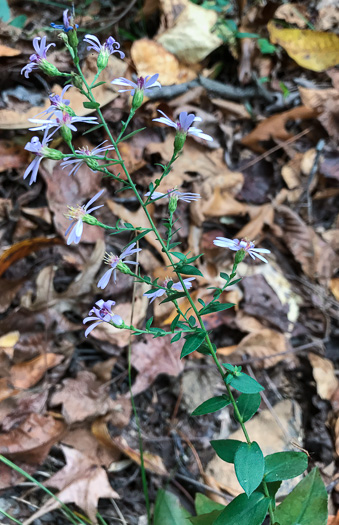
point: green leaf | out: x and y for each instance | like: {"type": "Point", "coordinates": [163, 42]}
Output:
{"type": "Point", "coordinates": [5, 13]}
{"type": "Point", "coordinates": [246, 35]}
{"type": "Point", "coordinates": [192, 320]}
{"type": "Point", "coordinates": [249, 465]}
{"type": "Point", "coordinates": [192, 343]}
{"type": "Point", "coordinates": [285, 465]}
{"type": "Point", "coordinates": [247, 405]}
{"type": "Point", "coordinates": [98, 84]}
{"type": "Point", "coordinates": [139, 236]}
{"type": "Point", "coordinates": [19, 21]}
{"type": "Point", "coordinates": [225, 276]}
{"type": "Point", "coordinates": [266, 47]}
{"type": "Point", "coordinates": [93, 128]}
{"type": "Point", "coordinates": [205, 349]}
{"type": "Point", "coordinates": [179, 256]}
{"type": "Point", "coordinates": [246, 384]}
{"type": "Point", "coordinates": [204, 505]}
{"type": "Point", "coordinates": [188, 269]}
{"type": "Point", "coordinates": [131, 134]}
{"type": "Point", "coordinates": [215, 307]}
{"type": "Point", "coordinates": [242, 509]}
{"type": "Point", "coordinates": [226, 448]}
{"type": "Point", "coordinates": [149, 323]}
{"type": "Point", "coordinates": [306, 504]}
{"type": "Point", "coordinates": [272, 489]}
{"type": "Point", "coordinates": [174, 322]}
{"type": "Point", "coordinates": [169, 511]}
{"type": "Point", "coordinates": [205, 519]}
{"type": "Point", "coordinates": [212, 405]}
{"type": "Point", "coordinates": [91, 105]}
{"type": "Point", "coordinates": [176, 337]}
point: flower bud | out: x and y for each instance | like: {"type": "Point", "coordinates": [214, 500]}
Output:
{"type": "Point", "coordinates": [66, 134]}
{"type": "Point", "coordinates": [50, 153]}
{"type": "Point", "coordinates": [173, 202]}
{"type": "Point", "coordinates": [179, 141]}
{"type": "Point", "coordinates": [92, 164]}
{"type": "Point", "coordinates": [138, 98]}
{"type": "Point", "coordinates": [239, 256]}
{"type": "Point", "coordinates": [89, 219]}
{"type": "Point", "coordinates": [73, 38]}
{"type": "Point", "coordinates": [49, 69]}
{"type": "Point", "coordinates": [123, 268]}
{"type": "Point", "coordinates": [102, 60]}
{"type": "Point", "coordinates": [77, 81]}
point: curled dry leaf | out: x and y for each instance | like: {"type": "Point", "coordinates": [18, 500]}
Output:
{"type": "Point", "coordinates": [317, 258]}
{"type": "Point", "coordinates": [23, 248]}
{"type": "Point", "coordinates": [273, 128]}
{"type": "Point", "coordinates": [6, 51]}
{"type": "Point", "coordinates": [151, 57]}
{"type": "Point", "coordinates": [326, 102]}
{"type": "Point", "coordinates": [191, 38]}
{"type": "Point", "coordinates": [84, 440]}
{"type": "Point", "coordinates": [17, 408]}
{"type": "Point", "coordinates": [310, 49]}
{"type": "Point", "coordinates": [154, 357]}
{"type": "Point", "coordinates": [86, 398]}
{"type": "Point", "coordinates": [293, 14]}
{"type": "Point", "coordinates": [31, 441]}
{"type": "Point", "coordinates": [334, 287]}
{"type": "Point", "coordinates": [29, 373]}
{"type": "Point", "coordinates": [153, 463]}
{"type": "Point", "coordinates": [81, 482]}
{"type": "Point", "coordinates": [266, 342]}
{"type": "Point", "coordinates": [324, 375]}
{"type": "Point", "coordinates": [6, 389]}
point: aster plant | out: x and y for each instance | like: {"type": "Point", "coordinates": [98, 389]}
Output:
{"type": "Point", "coordinates": [258, 476]}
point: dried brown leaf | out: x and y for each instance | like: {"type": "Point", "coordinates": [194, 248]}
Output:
{"type": "Point", "coordinates": [151, 57]}
{"type": "Point", "coordinates": [324, 375]}
{"type": "Point", "coordinates": [317, 258]}
{"type": "Point", "coordinates": [154, 357]}
{"type": "Point", "coordinates": [81, 482]}
{"type": "Point", "coordinates": [29, 373]}
{"type": "Point", "coordinates": [273, 128]}
{"type": "Point", "coordinates": [86, 398]}
{"type": "Point", "coordinates": [266, 342]}
{"type": "Point", "coordinates": [32, 439]}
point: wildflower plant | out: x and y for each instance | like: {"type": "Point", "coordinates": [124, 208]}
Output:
{"type": "Point", "coordinates": [260, 477]}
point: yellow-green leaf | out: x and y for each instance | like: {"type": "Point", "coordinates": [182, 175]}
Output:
{"type": "Point", "coordinates": [313, 50]}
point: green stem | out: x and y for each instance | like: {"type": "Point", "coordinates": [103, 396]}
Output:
{"type": "Point", "coordinates": [168, 253]}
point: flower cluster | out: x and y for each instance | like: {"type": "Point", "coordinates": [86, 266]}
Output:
{"type": "Point", "coordinates": [61, 117]}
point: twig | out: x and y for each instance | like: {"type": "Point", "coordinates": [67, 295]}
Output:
{"type": "Point", "coordinates": [274, 149]}
{"type": "Point", "coordinates": [319, 148]}
{"type": "Point", "coordinates": [227, 91]}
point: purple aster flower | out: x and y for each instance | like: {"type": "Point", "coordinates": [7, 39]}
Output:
{"type": "Point", "coordinates": [142, 84]}
{"type": "Point", "coordinates": [68, 22]}
{"type": "Point", "coordinates": [113, 261]}
{"type": "Point", "coordinates": [58, 103]}
{"type": "Point", "coordinates": [237, 245]}
{"type": "Point", "coordinates": [37, 147]}
{"type": "Point", "coordinates": [91, 163]}
{"type": "Point", "coordinates": [176, 286]}
{"type": "Point", "coordinates": [184, 124]}
{"type": "Point", "coordinates": [39, 55]}
{"type": "Point", "coordinates": [76, 215]}
{"type": "Point", "coordinates": [108, 48]}
{"type": "Point", "coordinates": [181, 196]}
{"type": "Point", "coordinates": [62, 118]}
{"type": "Point", "coordinates": [102, 313]}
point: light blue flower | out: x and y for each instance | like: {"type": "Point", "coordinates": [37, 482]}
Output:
{"type": "Point", "coordinates": [184, 124]}
{"type": "Point", "coordinates": [108, 48]}
{"type": "Point", "coordinates": [237, 245]}
{"type": "Point", "coordinates": [142, 84]}
{"type": "Point", "coordinates": [176, 286]}
{"type": "Point", "coordinates": [76, 215]}
{"type": "Point", "coordinates": [102, 314]}
{"type": "Point", "coordinates": [40, 54]}
{"type": "Point", "coordinates": [113, 261]}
